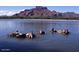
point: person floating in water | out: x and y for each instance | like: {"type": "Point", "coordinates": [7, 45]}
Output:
{"type": "Point", "coordinates": [53, 30]}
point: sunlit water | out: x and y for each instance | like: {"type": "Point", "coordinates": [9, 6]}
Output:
{"type": "Point", "coordinates": [49, 42]}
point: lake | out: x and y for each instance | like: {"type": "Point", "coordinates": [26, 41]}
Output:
{"type": "Point", "coordinates": [50, 42]}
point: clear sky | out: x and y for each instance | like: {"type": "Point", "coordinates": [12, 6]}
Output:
{"type": "Point", "coordinates": [9, 10]}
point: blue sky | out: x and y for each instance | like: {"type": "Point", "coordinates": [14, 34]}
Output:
{"type": "Point", "coordinates": [9, 10]}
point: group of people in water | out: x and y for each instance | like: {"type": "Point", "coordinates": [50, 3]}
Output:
{"type": "Point", "coordinates": [31, 35]}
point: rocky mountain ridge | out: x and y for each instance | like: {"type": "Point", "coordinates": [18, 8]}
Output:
{"type": "Point", "coordinates": [44, 12]}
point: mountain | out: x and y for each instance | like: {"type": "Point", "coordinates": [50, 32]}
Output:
{"type": "Point", "coordinates": [44, 12]}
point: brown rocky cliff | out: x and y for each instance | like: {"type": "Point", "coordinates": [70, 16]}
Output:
{"type": "Point", "coordinates": [40, 11]}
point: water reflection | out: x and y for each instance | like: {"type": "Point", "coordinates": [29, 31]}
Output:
{"type": "Point", "coordinates": [47, 42]}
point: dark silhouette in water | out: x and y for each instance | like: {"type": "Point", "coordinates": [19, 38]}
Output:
{"type": "Point", "coordinates": [53, 30]}
{"type": "Point", "coordinates": [31, 35]}
{"type": "Point", "coordinates": [65, 32]}
{"type": "Point", "coordinates": [14, 34]}
{"type": "Point", "coordinates": [42, 32]}
{"type": "Point", "coordinates": [21, 36]}
{"type": "Point", "coordinates": [17, 34]}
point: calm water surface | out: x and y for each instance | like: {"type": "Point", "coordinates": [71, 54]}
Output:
{"type": "Point", "coordinates": [49, 42]}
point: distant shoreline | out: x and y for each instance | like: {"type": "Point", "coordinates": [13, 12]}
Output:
{"type": "Point", "coordinates": [43, 19]}
{"type": "Point", "coordinates": [50, 20]}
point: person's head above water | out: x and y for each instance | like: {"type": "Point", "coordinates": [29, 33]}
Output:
{"type": "Point", "coordinates": [52, 28]}
{"type": "Point", "coordinates": [17, 31]}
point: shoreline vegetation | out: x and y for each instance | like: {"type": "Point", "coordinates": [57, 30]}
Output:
{"type": "Point", "coordinates": [40, 19]}
{"type": "Point", "coordinates": [13, 17]}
